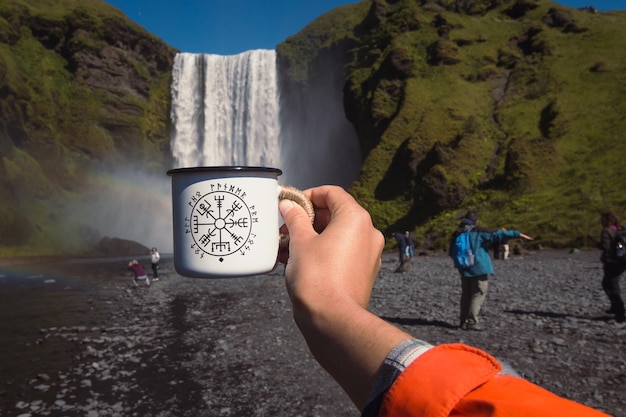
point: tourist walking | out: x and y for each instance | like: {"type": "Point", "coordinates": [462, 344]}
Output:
{"type": "Point", "coordinates": [402, 245]}
{"type": "Point", "coordinates": [410, 245]}
{"type": "Point", "coordinates": [501, 249]}
{"type": "Point", "coordinates": [474, 278]}
{"type": "Point", "coordinates": [612, 267]}
{"type": "Point", "coordinates": [155, 257]}
{"type": "Point", "coordinates": [505, 248]}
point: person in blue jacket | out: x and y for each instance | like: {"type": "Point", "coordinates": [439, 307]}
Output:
{"type": "Point", "coordinates": [474, 281]}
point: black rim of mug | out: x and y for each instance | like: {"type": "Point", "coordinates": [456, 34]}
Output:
{"type": "Point", "coordinates": [251, 169]}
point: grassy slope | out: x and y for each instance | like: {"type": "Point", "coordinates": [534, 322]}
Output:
{"type": "Point", "coordinates": [542, 155]}
{"type": "Point", "coordinates": [591, 125]}
{"type": "Point", "coordinates": [583, 177]}
{"type": "Point", "coordinates": [565, 184]}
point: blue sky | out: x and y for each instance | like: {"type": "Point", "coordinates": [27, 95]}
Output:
{"type": "Point", "coordinates": [234, 26]}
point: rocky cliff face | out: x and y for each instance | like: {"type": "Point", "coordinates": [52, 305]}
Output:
{"type": "Point", "coordinates": [82, 88]}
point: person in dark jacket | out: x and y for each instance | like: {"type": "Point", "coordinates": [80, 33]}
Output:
{"type": "Point", "coordinates": [402, 244]}
{"type": "Point", "coordinates": [410, 244]}
{"type": "Point", "coordinates": [613, 268]}
{"type": "Point", "coordinates": [474, 281]}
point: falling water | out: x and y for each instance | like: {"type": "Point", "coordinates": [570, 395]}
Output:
{"type": "Point", "coordinates": [225, 110]}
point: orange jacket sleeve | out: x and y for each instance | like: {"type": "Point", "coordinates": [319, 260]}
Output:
{"type": "Point", "coordinates": [457, 380]}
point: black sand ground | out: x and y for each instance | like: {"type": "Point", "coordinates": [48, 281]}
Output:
{"type": "Point", "coordinates": [77, 340]}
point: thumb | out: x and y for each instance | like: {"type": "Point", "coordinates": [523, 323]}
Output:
{"type": "Point", "coordinates": [296, 219]}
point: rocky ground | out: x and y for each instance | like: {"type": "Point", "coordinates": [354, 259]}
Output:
{"type": "Point", "coordinates": [77, 340]}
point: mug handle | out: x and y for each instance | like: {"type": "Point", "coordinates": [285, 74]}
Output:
{"type": "Point", "coordinates": [288, 192]}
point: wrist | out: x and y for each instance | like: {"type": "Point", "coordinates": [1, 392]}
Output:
{"type": "Point", "coordinates": [349, 342]}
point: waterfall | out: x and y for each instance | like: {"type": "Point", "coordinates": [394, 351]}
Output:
{"type": "Point", "coordinates": [225, 110]}
{"type": "Point", "coordinates": [228, 110]}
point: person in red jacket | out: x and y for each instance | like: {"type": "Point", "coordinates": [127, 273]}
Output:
{"type": "Point", "coordinates": [139, 274]}
{"type": "Point", "coordinates": [385, 371]}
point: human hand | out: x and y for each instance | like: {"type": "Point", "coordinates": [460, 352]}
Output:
{"type": "Point", "coordinates": [338, 257]}
{"type": "Point", "coordinates": [331, 269]}
{"type": "Point", "coordinates": [525, 237]}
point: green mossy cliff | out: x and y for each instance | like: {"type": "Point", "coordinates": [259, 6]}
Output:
{"type": "Point", "coordinates": [514, 108]}
{"type": "Point", "coordinates": [82, 89]}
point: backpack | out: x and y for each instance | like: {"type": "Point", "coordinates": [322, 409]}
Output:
{"type": "Point", "coordinates": [463, 255]}
{"type": "Point", "coordinates": [619, 245]}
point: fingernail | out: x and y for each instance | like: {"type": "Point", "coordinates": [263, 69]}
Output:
{"type": "Point", "coordinates": [284, 206]}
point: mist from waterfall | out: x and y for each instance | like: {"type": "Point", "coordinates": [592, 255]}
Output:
{"type": "Point", "coordinates": [228, 110]}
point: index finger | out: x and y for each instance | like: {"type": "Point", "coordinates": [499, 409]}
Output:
{"type": "Point", "coordinates": [331, 201]}
{"type": "Point", "coordinates": [329, 196]}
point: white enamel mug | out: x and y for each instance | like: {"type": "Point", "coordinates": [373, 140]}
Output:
{"type": "Point", "coordinates": [226, 220]}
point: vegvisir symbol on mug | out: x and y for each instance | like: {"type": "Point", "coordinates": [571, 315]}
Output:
{"type": "Point", "coordinates": [221, 222]}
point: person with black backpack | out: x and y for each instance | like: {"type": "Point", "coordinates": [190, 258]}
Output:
{"type": "Point", "coordinates": [469, 248]}
{"type": "Point", "coordinates": [612, 265]}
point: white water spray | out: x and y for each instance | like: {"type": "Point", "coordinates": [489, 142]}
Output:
{"type": "Point", "coordinates": [225, 110]}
